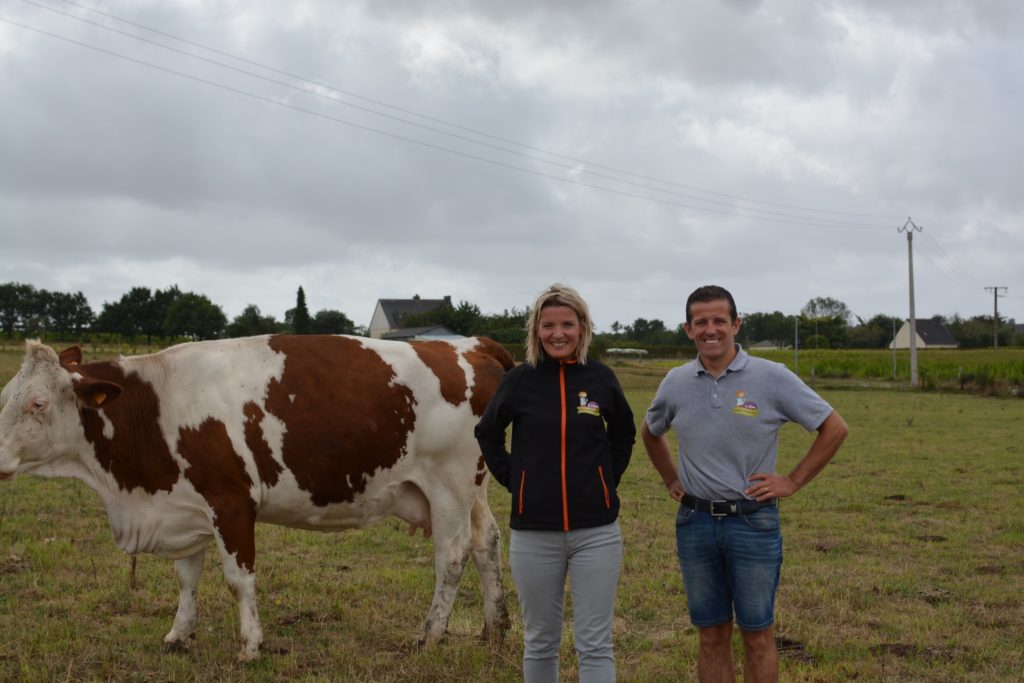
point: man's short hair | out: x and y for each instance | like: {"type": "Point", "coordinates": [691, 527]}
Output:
{"type": "Point", "coordinates": [707, 293]}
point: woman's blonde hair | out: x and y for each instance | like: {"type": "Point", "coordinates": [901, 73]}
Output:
{"type": "Point", "coordinates": [557, 295]}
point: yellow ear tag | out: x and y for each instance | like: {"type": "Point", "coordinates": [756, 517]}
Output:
{"type": "Point", "coordinates": [99, 397]}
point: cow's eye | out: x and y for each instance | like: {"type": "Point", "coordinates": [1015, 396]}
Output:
{"type": "Point", "coordinates": [38, 406]}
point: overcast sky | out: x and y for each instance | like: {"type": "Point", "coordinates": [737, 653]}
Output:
{"type": "Point", "coordinates": [484, 149]}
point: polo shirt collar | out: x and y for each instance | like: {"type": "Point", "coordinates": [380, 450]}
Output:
{"type": "Point", "coordinates": [737, 364]}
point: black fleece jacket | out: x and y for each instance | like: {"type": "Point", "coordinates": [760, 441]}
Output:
{"type": "Point", "coordinates": [572, 437]}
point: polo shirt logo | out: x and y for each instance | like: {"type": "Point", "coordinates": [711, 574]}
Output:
{"type": "Point", "coordinates": [587, 407]}
{"type": "Point", "coordinates": [745, 406]}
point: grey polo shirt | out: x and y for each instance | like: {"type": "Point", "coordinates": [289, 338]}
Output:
{"type": "Point", "coordinates": [728, 428]}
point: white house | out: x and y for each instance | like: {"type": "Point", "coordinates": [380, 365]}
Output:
{"type": "Point", "coordinates": [387, 316]}
{"type": "Point", "coordinates": [931, 334]}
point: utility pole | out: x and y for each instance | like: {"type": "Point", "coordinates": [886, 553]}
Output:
{"type": "Point", "coordinates": [894, 349]}
{"type": "Point", "coordinates": [909, 227]}
{"type": "Point", "coordinates": [995, 314]}
{"type": "Point", "coordinates": [796, 344]}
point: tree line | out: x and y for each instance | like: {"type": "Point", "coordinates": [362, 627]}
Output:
{"type": "Point", "coordinates": [170, 313]}
{"type": "Point", "coordinates": [150, 315]}
{"type": "Point", "coordinates": [823, 323]}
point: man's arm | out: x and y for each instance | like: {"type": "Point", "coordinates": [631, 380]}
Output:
{"type": "Point", "coordinates": [831, 435]}
{"type": "Point", "coordinates": [661, 457]}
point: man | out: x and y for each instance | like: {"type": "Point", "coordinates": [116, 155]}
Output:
{"type": "Point", "coordinates": [727, 408]}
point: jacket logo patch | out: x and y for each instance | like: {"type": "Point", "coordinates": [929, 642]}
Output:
{"type": "Point", "coordinates": [745, 406]}
{"type": "Point", "coordinates": [587, 407]}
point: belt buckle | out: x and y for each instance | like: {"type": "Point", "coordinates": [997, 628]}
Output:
{"type": "Point", "coordinates": [721, 508]}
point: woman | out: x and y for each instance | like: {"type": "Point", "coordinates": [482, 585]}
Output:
{"type": "Point", "coordinates": [572, 436]}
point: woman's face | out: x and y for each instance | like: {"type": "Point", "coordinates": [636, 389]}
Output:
{"type": "Point", "coordinates": [559, 330]}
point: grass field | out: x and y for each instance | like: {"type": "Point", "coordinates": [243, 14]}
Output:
{"type": "Point", "coordinates": [982, 371]}
{"type": "Point", "coordinates": [904, 562]}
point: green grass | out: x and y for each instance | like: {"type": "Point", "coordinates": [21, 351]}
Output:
{"type": "Point", "coordinates": [904, 562]}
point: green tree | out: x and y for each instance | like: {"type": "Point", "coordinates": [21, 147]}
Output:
{"type": "Point", "coordinates": [11, 296]}
{"type": "Point", "coordinates": [834, 331]}
{"type": "Point", "coordinates": [156, 314]}
{"type": "Point", "coordinates": [680, 337]}
{"type": "Point", "coordinates": [649, 332]}
{"type": "Point", "coordinates": [508, 327]}
{"type": "Point", "coordinates": [775, 327]}
{"type": "Point", "coordinates": [828, 318]}
{"type": "Point", "coordinates": [196, 317]}
{"type": "Point", "coordinates": [70, 314]}
{"type": "Point", "coordinates": [34, 312]}
{"type": "Point", "coordinates": [82, 316]}
{"type": "Point", "coordinates": [825, 307]}
{"type": "Point", "coordinates": [328, 321]}
{"type": "Point", "coordinates": [129, 316]}
{"type": "Point", "coordinates": [30, 311]}
{"type": "Point", "coordinates": [464, 319]}
{"type": "Point", "coordinates": [251, 322]}
{"type": "Point", "coordinates": [976, 332]}
{"type": "Point", "coordinates": [876, 333]}
{"type": "Point", "coordinates": [298, 318]}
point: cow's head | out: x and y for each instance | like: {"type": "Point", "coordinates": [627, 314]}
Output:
{"type": "Point", "coordinates": [39, 408]}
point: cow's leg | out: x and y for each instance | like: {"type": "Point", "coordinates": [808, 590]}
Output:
{"type": "Point", "coordinates": [487, 558]}
{"type": "Point", "coordinates": [451, 527]}
{"type": "Point", "coordinates": [188, 570]}
{"type": "Point", "coordinates": [237, 550]}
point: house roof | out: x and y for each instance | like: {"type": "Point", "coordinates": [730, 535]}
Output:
{"type": "Point", "coordinates": [934, 333]}
{"type": "Point", "coordinates": [430, 331]}
{"type": "Point", "coordinates": [394, 309]}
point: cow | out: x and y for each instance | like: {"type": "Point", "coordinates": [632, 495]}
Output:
{"type": "Point", "coordinates": [198, 442]}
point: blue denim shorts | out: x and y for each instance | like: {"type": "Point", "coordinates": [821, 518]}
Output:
{"type": "Point", "coordinates": [730, 566]}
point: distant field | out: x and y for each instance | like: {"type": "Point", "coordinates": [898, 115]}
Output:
{"type": "Point", "coordinates": [983, 371]}
{"type": "Point", "coordinates": [904, 562]}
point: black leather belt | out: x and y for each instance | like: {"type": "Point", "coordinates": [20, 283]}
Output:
{"type": "Point", "coordinates": [724, 508]}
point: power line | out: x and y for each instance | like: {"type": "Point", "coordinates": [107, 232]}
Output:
{"type": "Point", "coordinates": [965, 279]}
{"type": "Point", "coordinates": [797, 220]}
{"type": "Point", "coordinates": [463, 138]}
{"type": "Point", "coordinates": [571, 168]}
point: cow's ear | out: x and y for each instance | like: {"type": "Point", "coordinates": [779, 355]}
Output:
{"type": "Point", "coordinates": [95, 393]}
{"type": "Point", "coordinates": [71, 357]}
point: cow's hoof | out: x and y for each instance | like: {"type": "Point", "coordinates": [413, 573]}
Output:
{"type": "Point", "coordinates": [274, 648]}
{"type": "Point", "coordinates": [497, 626]}
{"type": "Point", "coordinates": [249, 654]}
{"type": "Point", "coordinates": [493, 635]}
{"type": "Point", "coordinates": [175, 646]}
{"type": "Point", "coordinates": [429, 640]}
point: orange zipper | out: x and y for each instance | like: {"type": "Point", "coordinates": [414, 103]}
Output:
{"type": "Point", "coordinates": [607, 498]}
{"type": "Point", "coordinates": [565, 493]}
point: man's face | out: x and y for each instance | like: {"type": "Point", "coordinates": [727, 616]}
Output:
{"type": "Point", "coordinates": [712, 329]}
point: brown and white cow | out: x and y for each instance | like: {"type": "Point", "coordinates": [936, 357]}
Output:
{"type": "Point", "coordinates": [200, 441]}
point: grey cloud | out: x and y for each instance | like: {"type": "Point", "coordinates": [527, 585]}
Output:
{"type": "Point", "coordinates": [147, 178]}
